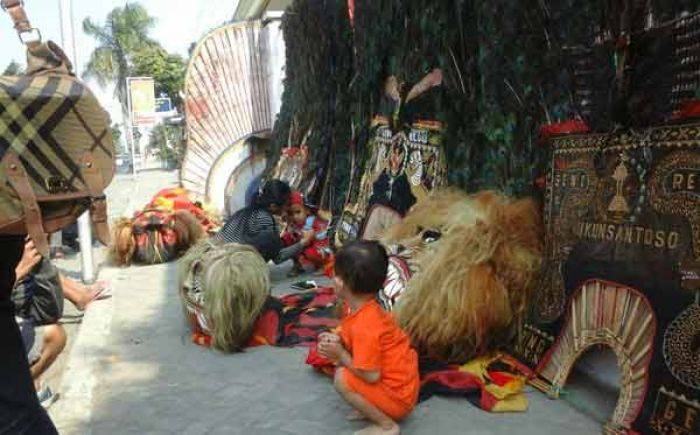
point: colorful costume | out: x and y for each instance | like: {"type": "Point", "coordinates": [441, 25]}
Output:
{"type": "Point", "coordinates": [319, 253]}
{"type": "Point", "coordinates": [174, 199]}
{"type": "Point", "coordinates": [164, 229]}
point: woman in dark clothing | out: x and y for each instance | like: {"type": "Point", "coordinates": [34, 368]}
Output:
{"type": "Point", "coordinates": [20, 411]}
{"type": "Point", "coordinates": [255, 225]}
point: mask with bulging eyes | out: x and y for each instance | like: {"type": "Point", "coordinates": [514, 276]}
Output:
{"type": "Point", "coordinates": [402, 264]}
{"type": "Point", "coordinates": [407, 247]}
{"type": "Point", "coordinates": [431, 235]}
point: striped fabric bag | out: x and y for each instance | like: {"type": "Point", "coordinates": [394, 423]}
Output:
{"type": "Point", "coordinates": [56, 150]}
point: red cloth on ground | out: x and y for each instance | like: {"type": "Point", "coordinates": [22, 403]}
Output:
{"type": "Point", "coordinates": [295, 319]}
{"type": "Point", "coordinates": [497, 389]}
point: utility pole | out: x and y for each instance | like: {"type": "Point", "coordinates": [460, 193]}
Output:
{"type": "Point", "coordinates": [133, 135]}
{"type": "Point", "coordinates": [65, 8]}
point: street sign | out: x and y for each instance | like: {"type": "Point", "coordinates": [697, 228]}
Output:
{"type": "Point", "coordinates": [142, 101]}
{"type": "Point", "coordinates": [163, 105]}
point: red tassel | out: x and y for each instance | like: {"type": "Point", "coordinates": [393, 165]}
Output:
{"type": "Point", "coordinates": [689, 109]}
{"type": "Point", "coordinates": [566, 127]}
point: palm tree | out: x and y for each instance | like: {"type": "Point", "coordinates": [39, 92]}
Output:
{"type": "Point", "coordinates": [124, 34]}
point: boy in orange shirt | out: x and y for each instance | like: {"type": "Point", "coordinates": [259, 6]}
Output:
{"type": "Point", "coordinates": [377, 368]}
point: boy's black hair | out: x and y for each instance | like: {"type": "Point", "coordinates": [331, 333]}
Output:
{"type": "Point", "coordinates": [362, 266]}
{"type": "Point", "coordinates": [273, 192]}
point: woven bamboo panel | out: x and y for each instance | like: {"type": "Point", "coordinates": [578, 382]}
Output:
{"type": "Point", "coordinates": [226, 98]}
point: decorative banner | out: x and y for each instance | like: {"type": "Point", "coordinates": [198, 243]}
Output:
{"type": "Point", "coordinates": [143, 101]}
{"type": "Point", "coordinates": [405, 164]}
{"type": "Point", "coordinates": [623, 249]}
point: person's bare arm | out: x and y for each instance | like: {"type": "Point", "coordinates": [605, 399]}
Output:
{"type": "Point", "coordinates": [335, 351]}
{"type": "Point", "coordinates": [295, 249]}
{"type": "Point", "coordinates": [30, 258]}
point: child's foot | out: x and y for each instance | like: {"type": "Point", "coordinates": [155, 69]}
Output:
{"type": "Point", "coordinates": [378, 430]}
{"type": "Point", "coordinates": [355, 416]}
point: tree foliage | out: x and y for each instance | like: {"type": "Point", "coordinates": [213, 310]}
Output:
{"type": "Point", "coordinates": [169, 144]}
{"type": "Point", "coordinates": [123, 35]}
{"type": "Point", "coordinates": [167, 70]}
{"type": "Point", "coordinates": [13, 69]}
{"type": "Point", "coordinates": [115, 131]}
{"type": "Point", "coordinates": [125, 49]}
{"type": "Point", "coordinates": [316, 94]}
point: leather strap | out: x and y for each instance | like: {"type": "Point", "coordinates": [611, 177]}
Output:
{"type": "Point", "coordinates": [98, 201]}
{"type": "Point", "coordinates": [18, 178]}
{"type": "Point", "coordinates": [15, 8]}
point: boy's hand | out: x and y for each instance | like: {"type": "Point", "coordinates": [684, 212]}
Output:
{"type": "Point", "coordinates": [328, 337]}
{"type": "Point", "coordinates": [30, 258]}
{"type": "Point", "coordinates": [333, 350]}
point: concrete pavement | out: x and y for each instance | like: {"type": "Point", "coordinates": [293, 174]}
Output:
{"type": "Point", "coordinates": [132, 369]}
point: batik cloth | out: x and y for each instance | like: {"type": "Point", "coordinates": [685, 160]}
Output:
{"type": "Point", "coordinates": [295, 319]}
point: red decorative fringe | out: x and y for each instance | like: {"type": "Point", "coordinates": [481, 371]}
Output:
{"type": "Point", "coordinates": [566, 127]}
{"type": "Point", "coordinates": [689, 109]}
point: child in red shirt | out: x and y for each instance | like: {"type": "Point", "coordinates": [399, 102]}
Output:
{"type": "Point", "coordinates": [301, 218]}
{"type": "Point", "coordinates": [377, 368]}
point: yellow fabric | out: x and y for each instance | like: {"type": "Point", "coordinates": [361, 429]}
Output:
{"type": "Point", "coordinates": [164, 204]}
{"type": "Point", "coordinates": [511, 397]}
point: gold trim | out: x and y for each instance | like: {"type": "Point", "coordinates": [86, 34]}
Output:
{"type": "Point", "coordinates": [677, 136]}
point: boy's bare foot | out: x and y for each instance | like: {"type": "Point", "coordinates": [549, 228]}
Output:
{"type": "Point", "coordinates": [355, 416]}
{"type": "Point", "coordinates": [378, 430]}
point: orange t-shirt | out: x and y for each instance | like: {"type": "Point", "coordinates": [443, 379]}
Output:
{"type": "Point", "coordinates": [376, 343]}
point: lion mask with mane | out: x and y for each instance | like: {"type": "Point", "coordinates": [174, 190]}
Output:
{"type": "Point", "coordinates": [473, 261]}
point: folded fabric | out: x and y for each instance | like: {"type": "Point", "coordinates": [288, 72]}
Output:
{"type": "Point", "coordinates": [494, 383]}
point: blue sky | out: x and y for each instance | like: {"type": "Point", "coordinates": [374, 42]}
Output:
{"type": "Point", "coordinates": [178, 24]}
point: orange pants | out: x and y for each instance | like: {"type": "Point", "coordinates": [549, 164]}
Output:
{"type": "Point", "coordinates": [376, 394]}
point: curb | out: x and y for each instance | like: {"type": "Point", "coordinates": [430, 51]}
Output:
{"type": "Point", "coordinates": [72, 414]}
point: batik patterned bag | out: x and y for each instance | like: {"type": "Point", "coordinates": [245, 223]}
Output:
{"type": "Point", "coordinates": [56, 151]}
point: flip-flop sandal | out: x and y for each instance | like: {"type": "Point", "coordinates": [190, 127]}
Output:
{"type": "Point", "coordinates": [101, 294]}
{"type": "Point", "coordinates": [99, 285]}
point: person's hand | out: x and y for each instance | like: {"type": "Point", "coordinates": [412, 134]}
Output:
{"type": "Point", "coordinates": [328, 337]}
{"type": "Point", "coordinates": [30, 258]}
{"type": "Point", "coordinates": [333, 350]}
{"type": "Point", "coordinates": [307, 237]}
